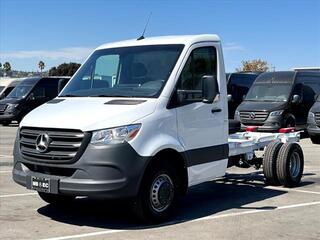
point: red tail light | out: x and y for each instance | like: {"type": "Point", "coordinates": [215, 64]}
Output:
{"type": "Point", "coordinates": [287, 130]}
{"type": "Point", "coordinates": [252, 129]}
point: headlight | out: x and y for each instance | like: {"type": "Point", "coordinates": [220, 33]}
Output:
{"type": "Point", "coordinates": [237, 113]}
{"type": "Point", "coordinates": [276, 113]}
{"type": "Point", "coordinates": [115, 135]}
{"type": "Point", "coordinates": [311, 115]}
{"type": "Point", "coordinates": [10, 107]}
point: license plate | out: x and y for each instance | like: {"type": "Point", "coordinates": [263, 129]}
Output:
{"type": "Point", "coordinates": [40, 184]}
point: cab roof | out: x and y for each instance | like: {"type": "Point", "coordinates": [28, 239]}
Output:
{"type": "Point", "coordinates": [182, 39]}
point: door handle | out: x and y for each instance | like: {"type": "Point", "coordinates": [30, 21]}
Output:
{"type": "Point", "coordinates": [215, 110]}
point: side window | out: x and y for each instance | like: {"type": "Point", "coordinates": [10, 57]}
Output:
{"type": "Point", "coordinates": [46, 88]}
{"type": "Point", "coordinates": [202, 61]}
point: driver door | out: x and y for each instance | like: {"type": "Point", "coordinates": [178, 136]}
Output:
{"type": "Point", "coordinates": [201, 125]}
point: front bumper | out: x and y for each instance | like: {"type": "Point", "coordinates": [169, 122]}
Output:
{"type": "Point", "coordinates": [313, 130]}
{"type": "Point", "coordinates": [271, 124]}
{"type": "Point", "coordinates": [113, 171]}
{"type": "Point", "coordinates": [8, 117]}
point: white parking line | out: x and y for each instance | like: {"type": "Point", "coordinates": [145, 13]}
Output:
{"type": "Point", "coordinates": [9, 171]}
{"type": "Point", "coordinates": [292, 190]}
{"type": "Point", "coordinates": [17, 195]}
{"type": "Point", "coordinates": [196, 220]}
{"type": "Point", "coordinates": [5, 156]}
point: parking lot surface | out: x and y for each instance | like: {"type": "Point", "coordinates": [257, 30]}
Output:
{"type": "Point", "coordinates": [239, 206]}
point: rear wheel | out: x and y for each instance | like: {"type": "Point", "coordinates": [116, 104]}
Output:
{"type": "Point", "coordinates": [270, 163]}
{"type": "Point", "coordinates": [315, 139]}
{"type": "Point", "coordinates": [56, 199]}
{"type": "Point", "coordinates": [157, 195]}
{"type": "Point", "coordinates": [290, 164]}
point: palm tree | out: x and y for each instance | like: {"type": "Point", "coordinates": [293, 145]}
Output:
{"type": "Point", "coordinates": [41, 65]}
{"type": "Point", "coordinates": [6, 67]}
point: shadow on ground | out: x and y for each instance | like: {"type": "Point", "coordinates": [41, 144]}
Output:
{"type": "Point", "coordinates": [233, 192]}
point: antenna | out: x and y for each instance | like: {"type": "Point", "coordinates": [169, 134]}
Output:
{"type": "Point", "coordinates": [145, 28]}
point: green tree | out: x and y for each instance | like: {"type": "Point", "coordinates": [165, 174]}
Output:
{"type": "Point", "coordinates": [65, 69]}
{"type": "Point", "coordinates": [6, 67]}
{"type": "Point", "coordinates": [41, 65]}
{"type": "Point", "coordinates": [256, 65]}
{"type": "Point", "coordinates": [0, 65]}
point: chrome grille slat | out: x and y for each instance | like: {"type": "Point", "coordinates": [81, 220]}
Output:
{"type": "Point", "coordinates": [317, 118]}
{"type": "Point", "coordinates": [260, 116]}
{"type": "Point", "coordinates": [63, 147]}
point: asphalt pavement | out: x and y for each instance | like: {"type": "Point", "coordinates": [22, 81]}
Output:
{"type": "Point", "coordinates": [239, 206]}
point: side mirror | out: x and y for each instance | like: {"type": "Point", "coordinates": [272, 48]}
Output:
{"type": "Point", "coordinates": [31, 97]}
{"type": "Point", "coordinates": [229, 97]}
{"type": "Point", "coordinates": [244, 97]}
{"type": "Point", "coordinates": [295, 99]}
{"type": "Point", "coordinates": [209, 89]}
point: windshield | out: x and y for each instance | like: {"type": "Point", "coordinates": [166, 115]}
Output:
{"type": "Point", "coordinates": [20, 91]}
{"type": "Point", "coordinates": [125, 72]}
{"type": "Point", "coordinates": [269, 92]}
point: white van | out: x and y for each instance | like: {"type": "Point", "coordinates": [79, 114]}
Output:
{"type": "Point", "coordinates": [142, 120]}
{"type": "Point", "coordinates": [7, 85]}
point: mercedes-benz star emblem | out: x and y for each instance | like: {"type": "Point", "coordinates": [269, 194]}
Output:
{"type": "Point", "coordinates": [42, 142]}
{"type": "Point", "coordinates": [252, 115]}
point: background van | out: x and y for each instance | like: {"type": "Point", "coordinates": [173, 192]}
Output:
{"type": "Point", "coordinates": [7, 85]}
{"type": "Point", "coordinates": [279, 99]}
{"type": "Point", "coordinates": [29, 94]}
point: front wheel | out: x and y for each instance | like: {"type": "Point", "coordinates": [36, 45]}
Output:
{"type": "Point", "coordinates": [56, 199]}
{"type": "Point", "coordinates": [157, 195]}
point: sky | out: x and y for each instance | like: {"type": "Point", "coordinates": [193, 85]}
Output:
{"type": "Point", "coordinates": [286, 34]}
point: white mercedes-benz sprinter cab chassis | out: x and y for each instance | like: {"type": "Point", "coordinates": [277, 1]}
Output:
{"type": "Point", "coordinates": [143, 120]}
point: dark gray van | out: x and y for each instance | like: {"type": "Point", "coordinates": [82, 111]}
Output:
{"type": "Point", "coordinates": [279, 99]}
{"type": "Point", "coordinates": [29, 94]}
{"type": "Point", "coordinates": [314, 122]}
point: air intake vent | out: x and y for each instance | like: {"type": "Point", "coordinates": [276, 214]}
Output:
{"type": "Point", "coordinates": [125, 102]}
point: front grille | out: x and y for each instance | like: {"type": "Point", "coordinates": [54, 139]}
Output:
{"type": "Point", "coordinates": [317, 116]}
{"type": "Point", "coordinates": [65, 146]}
{"type": "Point", "coordinates": [253, 117]}
{"type": "Point", "coordinates": [2, 108]}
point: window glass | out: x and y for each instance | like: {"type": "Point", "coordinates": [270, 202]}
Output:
{"type": "Point", "coordinates": [269, 92]}
{"type": "Point", "coordinates": [201, 62]}
{"type": "Point", "coordinates": [47, 87]}
{"type": "Point", "coordinates": [139, 71]}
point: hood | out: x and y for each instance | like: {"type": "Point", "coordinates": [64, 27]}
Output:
{"type": "Point", "coordinates": [315, 108]}
{"type": "Point", "coordinates": [10, 100]}
{"type": "Point", "coordinates": [88, 113]}
{"type": "Point", "coordinates": [261, 106]}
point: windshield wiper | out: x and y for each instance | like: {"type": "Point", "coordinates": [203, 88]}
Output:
{"type": "Point", "coordinates": [104, 95]}
{"type": "Point", "coordinates": [69, 95]}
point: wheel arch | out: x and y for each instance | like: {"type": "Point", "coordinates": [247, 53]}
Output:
{"type": "Point", "coordinates": [174, 158]}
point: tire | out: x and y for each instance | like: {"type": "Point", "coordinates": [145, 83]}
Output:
{"type": "Point", "coordinates": [290, 164]}
{"type": "Point", "coordinates": [55, 199]}
{"type": "Point", "coordinates": [289, 122]}
{"type": "Point", "coordinates": [269, 163]}
{"type": "Point", "coordinates": [160, 179]}
{"type": "Point", "coordinates": [315, 139]}
{"type": "Point", "coordinates": [6, 123]}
